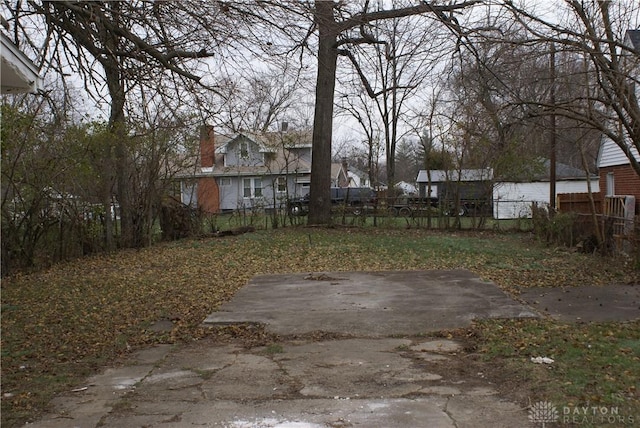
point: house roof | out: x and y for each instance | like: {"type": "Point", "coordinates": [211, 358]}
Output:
{"type": "Point", "coordinates": [269, 142]}
{"type": "Point", "coordinates": [440, 176]}
{"type": "Point", "coordinates": [563, 172]}
{"type": "Point", "coordinates": [282, 162]}
{"type": "Point", "coordinates": [222, 146]}
{"type": "Point", "coordinates": [633, 36]}
{"type": "Point", "coordinates": [336, 168]}
{"type": "Point", "coordinates": [18, 73]}
{"type": "Point", "coordinates": [235, 171]}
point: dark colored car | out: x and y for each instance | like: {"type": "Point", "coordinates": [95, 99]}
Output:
{"type": "Point", "coordinates": [357, 199]}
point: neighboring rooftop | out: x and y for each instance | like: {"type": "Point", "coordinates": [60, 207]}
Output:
{"type": "Point", "coordinates": [537, 171]}
{"type": "Point", "coordinates": [439, 175]}
{"type": "Point", "coordinates": [19, 74]}
{"type": "Point", "coordinates": [633, 36]}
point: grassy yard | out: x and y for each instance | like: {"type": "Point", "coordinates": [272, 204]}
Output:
{"type": "Point", "coordinates": [596, 368]}
{"type": "Point", "coordinates": [64, 323]}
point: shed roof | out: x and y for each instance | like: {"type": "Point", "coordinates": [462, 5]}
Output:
{"type": "Point", "coordinates": [440, 176]}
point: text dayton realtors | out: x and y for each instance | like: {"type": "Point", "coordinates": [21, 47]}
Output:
{"type": "Point", "coordinates": [595, 415]}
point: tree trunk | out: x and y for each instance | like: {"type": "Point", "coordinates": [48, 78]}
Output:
{"type": "Point", "coordinates": [320, 193]}
{"type": "Point", "coordinates": [128, 232]}
{"type": "Point", "coordinates": [117, 129]}
{"type": "Point", "coordinates": [592, 203]}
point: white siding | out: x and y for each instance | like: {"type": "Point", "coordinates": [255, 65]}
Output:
{"type": "Point", "coordinates": [513, 200]}
{"type": "Point", "coordinates": [189, 194]}
{"type": "Point", "coordinates": [232, 194]}
{"type": "Point", "coordinates": [611, 154]}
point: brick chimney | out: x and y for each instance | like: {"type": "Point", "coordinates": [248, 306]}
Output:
{"type": "Point", "coordinates": [207, 146]}
{"type": "Point", "coordinates": [344, 180]}
{"type": "Point", "coordinates": [208, 192]}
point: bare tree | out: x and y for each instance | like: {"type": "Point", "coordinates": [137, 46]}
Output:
{"type": "Point", "coordinates": [255, 101]}
{"type": "Point", "coordinates": [596, 31]}
{"type": "Point", "coordinates": [485, 87]}
{"type": "Point", "coordinates": [391, 74]}
{"type": "Point", "coordinates": [361, 108]}
{"type": "Point", "coordinates": [116, 47]}
{"type": "Point", "coordinates": [399, 69]}
{"type": "Point", "coordinates": [340, 27]}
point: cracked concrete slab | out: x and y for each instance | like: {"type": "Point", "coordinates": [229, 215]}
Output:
{"type": "Point", "coordinates": [376, 382]}
{"type": "Point", "coordinates": [368, 303]}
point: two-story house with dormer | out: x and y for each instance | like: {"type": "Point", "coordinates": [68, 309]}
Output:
{"type": "Point", "coordinates": [249, 171]}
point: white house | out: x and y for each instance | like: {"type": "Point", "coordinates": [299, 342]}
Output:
{"type": "Point", "coordinates": [248, 171]}
{"type": "Point", "coordinates": [344, 175]}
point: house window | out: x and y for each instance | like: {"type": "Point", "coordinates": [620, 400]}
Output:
{"type": "Point", "coordinates": [225, 181]}
{"type": "Point", "coordinates": [611, 184]}
{"type": "Point", "coordinates": [281, 184]}
{"type": "Point", "coordinates": [244, 150]}
{"type": "Point", "coordinates": [247, 188]}
{"type": "Point", "coordinates": [257, 187]}
{"type": "Point", "coordinates": [252, 188]}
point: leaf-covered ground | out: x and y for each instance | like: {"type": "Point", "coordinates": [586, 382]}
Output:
{"type": "Point", "coordinates": [64, 323]}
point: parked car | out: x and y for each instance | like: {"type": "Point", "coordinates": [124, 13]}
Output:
{"type": "Point", "coordinates": [356, 199]}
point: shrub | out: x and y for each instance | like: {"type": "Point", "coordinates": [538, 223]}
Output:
{"type": "Point", "coordinates": [555, 228]}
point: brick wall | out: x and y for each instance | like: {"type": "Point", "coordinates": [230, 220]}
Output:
{"type": "Point", "coordinates": [208, 195]}
{"type": "Point", "coordinates": [207, 146]}
{"type": "Point", "coordinates": [626, 181]}
{"type": "Point", "coordinates": [208, 191]}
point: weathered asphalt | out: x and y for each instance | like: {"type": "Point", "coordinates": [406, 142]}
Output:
{"type": "Point", "coordinates": [380, 370]}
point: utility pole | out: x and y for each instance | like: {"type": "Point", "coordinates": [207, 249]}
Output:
{"type": "Point", "coordinates": [552, 130]}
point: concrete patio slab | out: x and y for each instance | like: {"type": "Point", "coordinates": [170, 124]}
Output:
{"type": "Point", "coordinates": [372, 304]}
